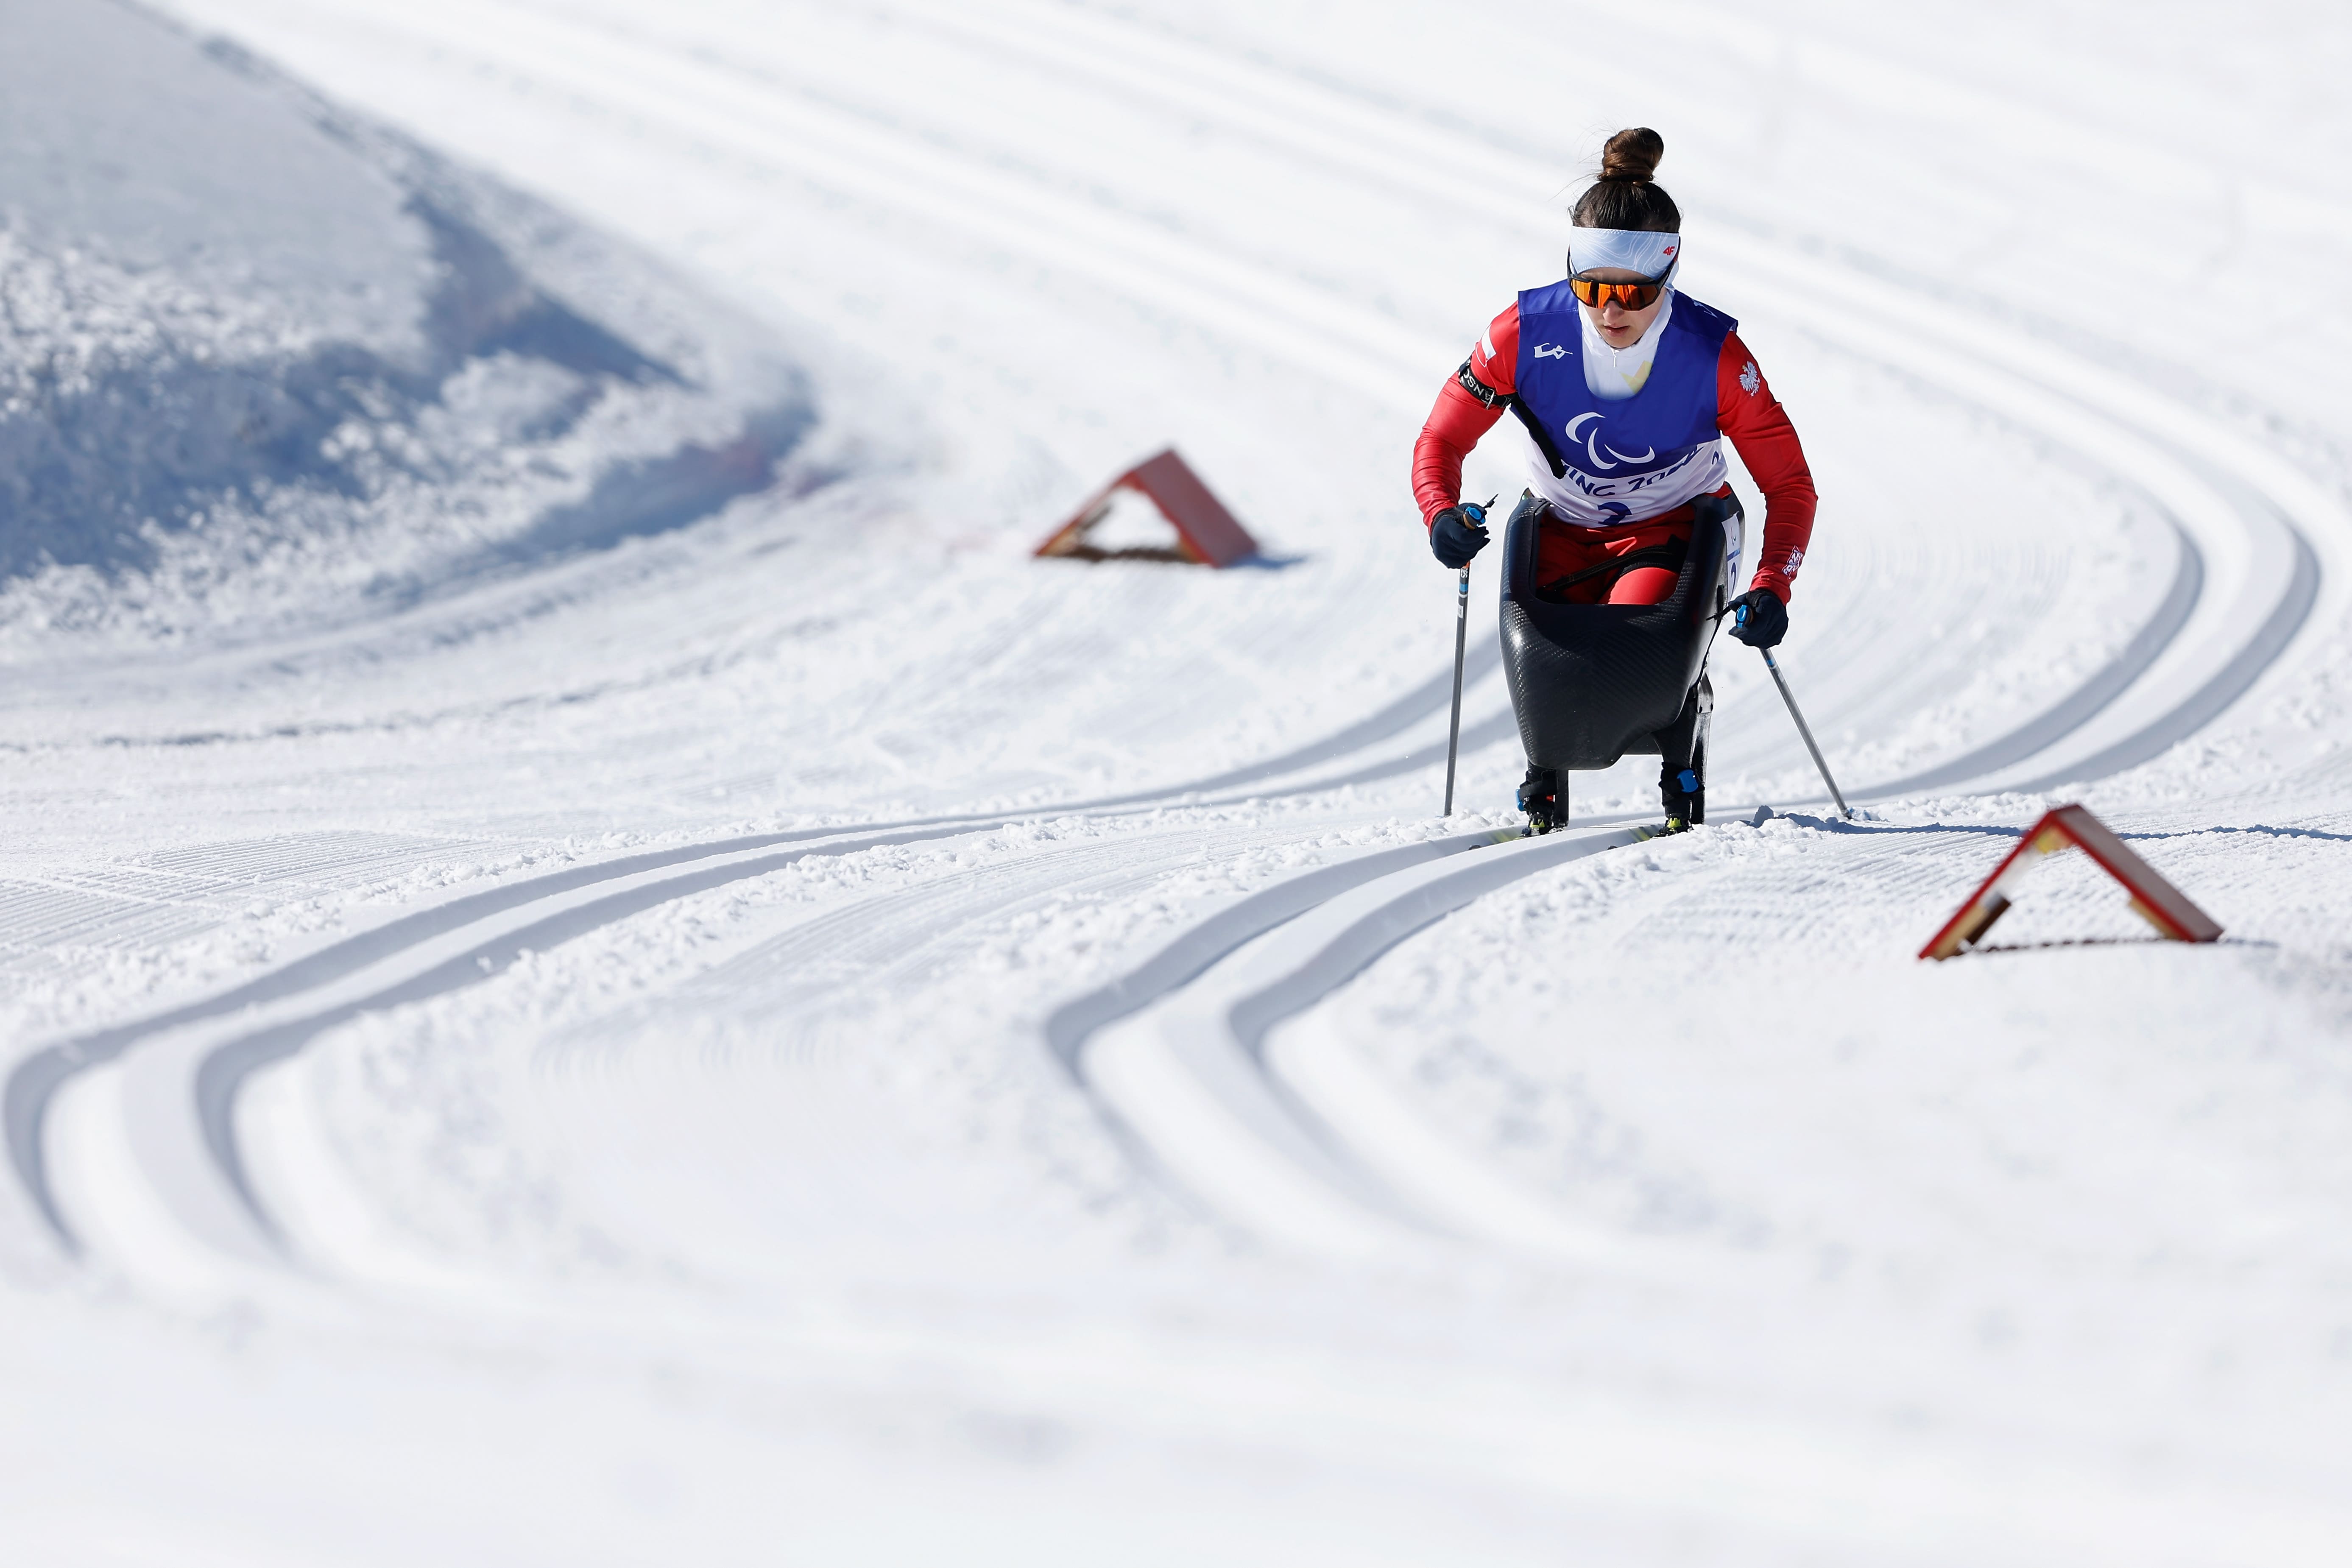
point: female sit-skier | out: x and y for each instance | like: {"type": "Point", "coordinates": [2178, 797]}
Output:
{"type": "Point", "coordinates": [1623, 385]}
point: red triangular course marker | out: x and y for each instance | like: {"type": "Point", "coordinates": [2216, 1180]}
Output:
{"type": "Point", "coordinates": [2153, 899]}
{"type": "Point", "coordinates": [1205, 531]}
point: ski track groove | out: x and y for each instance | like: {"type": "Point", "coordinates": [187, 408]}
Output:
{"type": "Point", "coordinates": [35, 1080]}
{"type": "Point", "coordinates": [938, 167]}
{"type": "Point", "coordinates": [2278, 623]}
{"type": "Point", "coordinates": [174, 895]}
{"type": "Point", "coordinates": [1388, 891]}
{"type": "Point", "coordinates": [1098, 242]}
{"type": "Point", "coordinates": [1272, 101]}
{"type": "Point", "coordinates": [874, 945]}
{"type": "Point", "coordinates": [888, 933]}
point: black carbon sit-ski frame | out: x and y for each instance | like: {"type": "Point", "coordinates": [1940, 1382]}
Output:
{"type": "Point", "coordinates": [1591, 683]}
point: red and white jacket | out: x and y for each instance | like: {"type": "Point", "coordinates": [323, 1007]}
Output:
{"type": "Point", "coordinates": [1746, 411]}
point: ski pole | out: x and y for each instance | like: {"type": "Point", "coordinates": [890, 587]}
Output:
{"type": "Point", "coordinates": [1460, 642]}
{"type": "Point", "coordinates": [1806, 730]}
{"type": "Point", "coordinates": [1477, 515]}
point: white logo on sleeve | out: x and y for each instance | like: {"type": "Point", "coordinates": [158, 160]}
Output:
{"type": "Point", "coordinates": [1796, 559]}
{"type": "Point", "coordinates": [1748, 378]}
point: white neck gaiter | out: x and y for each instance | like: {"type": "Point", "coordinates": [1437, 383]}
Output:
{"type": "Point", "coordinates": [1615, 375]}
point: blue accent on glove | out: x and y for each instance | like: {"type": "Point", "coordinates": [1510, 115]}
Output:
{"type": "Point", "coordinates": [1758, 618]}
{"type": "Point", "coordinates": [1456, 534]}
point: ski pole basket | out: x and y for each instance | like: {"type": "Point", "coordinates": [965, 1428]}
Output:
{"type": "Point", "coordinates": [1591, 683]}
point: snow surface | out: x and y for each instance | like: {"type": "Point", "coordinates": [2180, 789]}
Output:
{"type": "Point", "coordinates": [599, 967]}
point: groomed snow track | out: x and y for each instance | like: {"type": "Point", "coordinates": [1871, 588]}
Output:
{"type": "Point", "coordinates": [212, 1155]}
{"type": "Point", "coordinates": [1304, 1149]}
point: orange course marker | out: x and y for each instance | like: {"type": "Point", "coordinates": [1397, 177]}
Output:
{"type": "Point", "coordinates": [2153, 899]}
{"type": "Point", "coordinates": [1206, 532]}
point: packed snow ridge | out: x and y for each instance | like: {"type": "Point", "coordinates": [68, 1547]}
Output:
{"type": "Point", "coordinates": [267, 363]}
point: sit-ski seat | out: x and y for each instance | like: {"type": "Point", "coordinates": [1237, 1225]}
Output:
{"type": "Point", "coordinates": [1591, 683]}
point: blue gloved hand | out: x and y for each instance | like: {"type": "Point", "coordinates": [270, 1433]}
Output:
{"type": "Point", "coordinates": [1457, 534]}
{"type": "Point", "coordinates": [1758, 618]}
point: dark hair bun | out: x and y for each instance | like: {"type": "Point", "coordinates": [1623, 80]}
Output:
{"type": "Point", "coordinates": [1631, 156]}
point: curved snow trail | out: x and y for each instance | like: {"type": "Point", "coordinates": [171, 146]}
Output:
{"type": "Point", "coordinates": [34, 1081]}
{"type": "Point", "coordinates": [2252, 522]}
{"type": "Point", "coordinates": [2280, 621]}
{"type": "Point", "coordinates": [2244, 632]}
{"type": "Point", "coordinates": [2267, 577]}
{"type": "Point", "coordinates": [198, 1172]}
{"type": "Point", "coordinates": [713, 105]}
{"type": "Point", "coordinates": [479, 922]}
{"type": "Point", "coordinates": [875, 158]}
{"type": "Point", "coordinates": [1348, 1155]}
{"type": "Point", "coordinates": [1066, 1029]}
{"type": "Point", "coordinates": [1185, 1081]}
{"type": "Point", "coordinates": [2086, 701]}
{"type": "Point", "coordinates": [2263, 570]}
{"type": "Point", "coordinates": [195, 1179]}
{"type": "Point", "coordinates": [1188, 1072]}
{"type": "Point", "coordinates": [2217, 643]}
{"type": "Point", "coordinates": [710, 104]}
{"type": "Point", "coordinates": [2252, 624]}
{"type": "Point", "coordinates": [875, 165]}
{"type": "Point", "coordinates": [1493, 1428]}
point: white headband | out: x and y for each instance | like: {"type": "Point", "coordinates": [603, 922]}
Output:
{"type": "Point", "coordinates": [1635, 250]}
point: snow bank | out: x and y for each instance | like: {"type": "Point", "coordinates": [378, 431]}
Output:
{"type": "Point", "coordinates": [262, 362]}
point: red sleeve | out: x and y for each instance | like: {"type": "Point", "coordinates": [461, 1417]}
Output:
{"type": "Point", "coordinates": [1760, 430]}
{"type": "Point", "coordinates": [1467, 407]}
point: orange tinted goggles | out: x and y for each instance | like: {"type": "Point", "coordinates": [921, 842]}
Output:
{"type": "Point", "coordinates": [1633, 296]}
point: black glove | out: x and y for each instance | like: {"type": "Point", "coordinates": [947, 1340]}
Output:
{"type": "Point", "coordinates": [1457, 534]}
{"type": "Point", "coordinates": [1758, 618]}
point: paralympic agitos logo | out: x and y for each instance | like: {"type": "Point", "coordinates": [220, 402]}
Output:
{"type": "Point", "coordinates": [1591, 440]}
